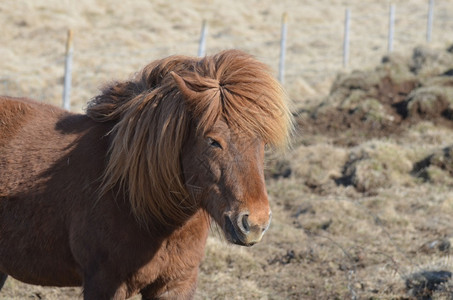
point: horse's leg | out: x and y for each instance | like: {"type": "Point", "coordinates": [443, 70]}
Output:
{"type": "Point", "coordinates": [99, 287]}
{"type": "Point", "coordinates": [180, 294]}
{"type": "Point", "coordinates": [179, 289]}
{"type": "Point", "coordinates": [2, 279]}
{"type": "Point", "coordinates": [97, 294]}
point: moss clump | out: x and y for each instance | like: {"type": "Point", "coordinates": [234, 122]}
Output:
{"type": "Point", "coordinates": [436, 168]}
{"type": "Point", "coordinates": [430, 102]}
{"type": "Point", "coordinates": [376, 165]}
{"type": "Point", "coordinates": [318, 165]}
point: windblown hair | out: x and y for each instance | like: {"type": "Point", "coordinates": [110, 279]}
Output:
{"type": "Point", "coordinates": [152, 113]}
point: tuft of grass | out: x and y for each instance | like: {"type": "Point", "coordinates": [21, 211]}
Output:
{"type": "Point", "coordinates": [377, 164]}
{"type": "Point", "coordinates": [430, 102]}
{"type": "Point", "coordinates": [318, 165]}
{"type": "Point", "coordinates": [437, 167]}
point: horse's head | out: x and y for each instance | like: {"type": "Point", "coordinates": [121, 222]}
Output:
{"type": "Point", "coordinates": [236, 108]}
{"type": "Point", "coordinates": [228, 166]}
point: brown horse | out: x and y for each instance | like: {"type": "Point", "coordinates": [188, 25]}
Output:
{"type": "Point", "coordinates": [120, 200]}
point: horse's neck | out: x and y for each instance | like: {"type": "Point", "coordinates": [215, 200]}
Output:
{"type": "Point", "coordinates": [196, 227]}
{"type": "Point", "coordinates": [193, 231]}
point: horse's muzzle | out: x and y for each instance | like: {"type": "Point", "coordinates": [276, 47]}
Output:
{"type": "Point", "coordinates": [239, 230]}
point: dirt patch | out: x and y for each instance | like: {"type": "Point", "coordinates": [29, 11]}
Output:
{"type": "Point", "coordinates": [385, 101]}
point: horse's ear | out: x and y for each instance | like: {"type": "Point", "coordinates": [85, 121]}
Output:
{"type": "Point", "coordinates": [183, 88]}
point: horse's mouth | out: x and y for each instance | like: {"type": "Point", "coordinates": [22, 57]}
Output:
{"type": "Point", "coordinates": [233, 236]}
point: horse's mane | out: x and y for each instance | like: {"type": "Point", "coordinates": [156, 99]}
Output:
{"type": "Point", "coordinates": [152, 114]}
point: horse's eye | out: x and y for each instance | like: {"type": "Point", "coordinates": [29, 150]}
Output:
{"type": "Point", "coordinates": [214, 143]}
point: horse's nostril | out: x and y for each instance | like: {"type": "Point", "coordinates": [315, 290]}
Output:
{"type": "Point", "coordinates": [243, 223]}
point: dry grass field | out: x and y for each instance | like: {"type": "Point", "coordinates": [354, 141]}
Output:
{"type": "Point", "coordinates": [362, 203]}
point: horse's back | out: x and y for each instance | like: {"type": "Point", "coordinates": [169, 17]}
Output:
{"type": "Point", "coordinates": [28, 140]}
{"type": "Point", "coordinates": [13, 113]}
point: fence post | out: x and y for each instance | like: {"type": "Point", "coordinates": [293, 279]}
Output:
{"type": "Point", "coordinates": [67, 72]}
{"type": "Point", "coordinates": [429, 26]}
{"type": "Point", "coordinates": [281, 65]}
{"type": "Point", "coordinates": [346, 38]}
{"type": "Point", "coordinates": [391, 27]}
{"type": "Point", "coordinates": [202, 44]}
